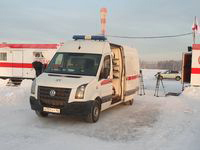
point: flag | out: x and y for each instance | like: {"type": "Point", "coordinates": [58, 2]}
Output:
{"type": "Point", "coordinates": [195, 29]}
{"type": "Point", "coordinates": [195, 26]}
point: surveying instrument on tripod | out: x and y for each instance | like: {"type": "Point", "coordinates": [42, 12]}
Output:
{"type": "Point", "coordinates": [141, 87]}
{"type": "Point", "coordinates": [159, 80]}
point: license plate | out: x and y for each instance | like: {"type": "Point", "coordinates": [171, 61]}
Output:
{"type": "Point", "coordinates": [53, 110]}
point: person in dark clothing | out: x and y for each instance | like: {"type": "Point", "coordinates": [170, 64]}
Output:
{"type": "Point", "coordinates": [38, 66]}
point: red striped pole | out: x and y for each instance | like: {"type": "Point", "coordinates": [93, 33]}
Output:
{"type": "Point", "coordinates": [103, 12]}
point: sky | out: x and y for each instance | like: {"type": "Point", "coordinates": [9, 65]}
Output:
{"type": "Point", "coordinates": [54, 21]}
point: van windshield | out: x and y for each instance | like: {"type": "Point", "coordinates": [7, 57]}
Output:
{"type": "Point", "coordinates": [74, 63]}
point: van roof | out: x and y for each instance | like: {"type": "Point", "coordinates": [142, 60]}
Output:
{"type": "Point", "coordinates": [86, 46]}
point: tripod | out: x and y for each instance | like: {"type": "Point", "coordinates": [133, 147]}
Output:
{"type": "Point", "coordinates": [159, 80]}
{"type": "Point", "coordinates": [141, 89]}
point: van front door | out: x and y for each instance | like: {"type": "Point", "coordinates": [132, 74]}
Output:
{"type": "Point", "coordinates": [17, 63]}
{"type": "Point", "coordinates": [105, 82]}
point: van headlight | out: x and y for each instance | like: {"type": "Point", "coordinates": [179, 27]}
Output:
{"type": "Point", "coordinates": [33, 87]}
{"type": "Point", "coordinates": [80, 91]}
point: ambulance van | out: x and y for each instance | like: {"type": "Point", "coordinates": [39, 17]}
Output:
{"type": "Point", "coordinates": [86, 76]}
{"type": "Point", "coordinates": [16, 59]}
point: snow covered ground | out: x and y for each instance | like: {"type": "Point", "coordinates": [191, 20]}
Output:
{"type": "Point", "coordinates": [153, 123]}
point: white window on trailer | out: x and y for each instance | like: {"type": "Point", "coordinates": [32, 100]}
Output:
{"type": "Point", "coordinates": [3, 56]}
{"type": "Point", "coordinates": [38, 54]}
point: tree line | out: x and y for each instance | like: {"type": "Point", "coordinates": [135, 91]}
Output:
{"type": "Point", "coordinates": [165, 65]}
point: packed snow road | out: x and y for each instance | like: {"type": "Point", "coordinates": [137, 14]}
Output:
{"type": "Point", "coordinates": [153, 123]}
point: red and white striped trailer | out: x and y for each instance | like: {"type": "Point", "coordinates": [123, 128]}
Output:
{"type": "Point", "coordinates": [195, 69]}
{"type": "Point", "coordinates": [191, 65]}
{"type": "Point", "coordinates": [16, 59]}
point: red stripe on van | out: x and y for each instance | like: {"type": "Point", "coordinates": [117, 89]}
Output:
{"type": "Point", "coordinates": [16, 65]}
{"type": "Point", "coordinates": [132, 77]}
{"type": "Point", "coordinates": [107, 81]}
{"type": "Point", "coordinates": [44, 46]}
{"type": "Point", "coordinates": [195, 71]}
{"type": "Point", "coordinates": [196, 47]}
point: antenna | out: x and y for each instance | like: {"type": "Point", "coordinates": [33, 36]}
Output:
{"type": "Point", "coordinates": [103, 13]}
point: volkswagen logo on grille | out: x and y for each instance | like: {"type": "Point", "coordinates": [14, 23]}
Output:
{"type": "Point", "coordinates": [58, 80]}
{"type": "Point", "coordinates": [52, 93]}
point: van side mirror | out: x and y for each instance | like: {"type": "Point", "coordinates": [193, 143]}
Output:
{"type": "Point", "coordinates": [105, 73]}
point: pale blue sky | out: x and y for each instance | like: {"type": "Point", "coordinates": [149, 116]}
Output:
{"type": "Point", "coordinates": [52, 21]}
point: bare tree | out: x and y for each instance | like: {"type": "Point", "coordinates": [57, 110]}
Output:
{"type": "Point", "coordinates": [167, 65]}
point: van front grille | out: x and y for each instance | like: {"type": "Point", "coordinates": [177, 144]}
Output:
{"type": "Point", "coordinates": [59, 97]}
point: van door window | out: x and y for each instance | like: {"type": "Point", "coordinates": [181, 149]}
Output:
{"type": "Point", "coordinates": [105, 70]}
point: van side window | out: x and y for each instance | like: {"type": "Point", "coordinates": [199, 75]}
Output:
{"type": "Point", "coordinates": [3, 56]}
{"type": "Point", "coordinates": [58, 62]}
{"type": "Point", "coordinates": [105, 70]}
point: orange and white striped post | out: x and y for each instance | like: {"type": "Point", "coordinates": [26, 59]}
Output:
{"type": "Point", "coordinates": [103, 12]}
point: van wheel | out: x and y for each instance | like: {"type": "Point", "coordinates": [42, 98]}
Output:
{"type": "Point", "coordinates": [41, 113]}
{"type": "Point", "coordinates": [131, 102]}
{"type": "Point", "coordinates": [178, 78]}
{"type": "Point", "coordinates": [93, 116]}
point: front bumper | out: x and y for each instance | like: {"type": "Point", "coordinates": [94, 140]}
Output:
{"type": "Point", "coordinates": [74, 108]}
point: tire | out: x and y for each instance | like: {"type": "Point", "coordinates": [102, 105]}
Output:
{"type": "Point", "coordinates": [130, 102]}
{"type": "Point", "coordinates": [94, 114]}
{"type": "Point", "coordinates": [16, 82]}
{"type": "Point", "coordinates": [178, 78]}
{"type": "Point", "coordinates": [41, 113]}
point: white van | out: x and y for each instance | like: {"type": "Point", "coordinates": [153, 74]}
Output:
{"type": "Point", "coordinates": [85, 77]}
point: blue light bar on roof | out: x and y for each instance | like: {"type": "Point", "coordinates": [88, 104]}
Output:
{"type": "Point", "coordinates": [89, 37]}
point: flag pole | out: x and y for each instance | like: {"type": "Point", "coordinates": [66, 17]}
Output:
{"type": "Point", "coordinates": [194, 29]}
{"type": "Point", "coordinates": [194, 37]}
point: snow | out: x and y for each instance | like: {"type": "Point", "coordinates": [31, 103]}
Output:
{"type": "Point", "coordinates": [192, 91]}
{"type": "Point", "coordinates": [153, 123]}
